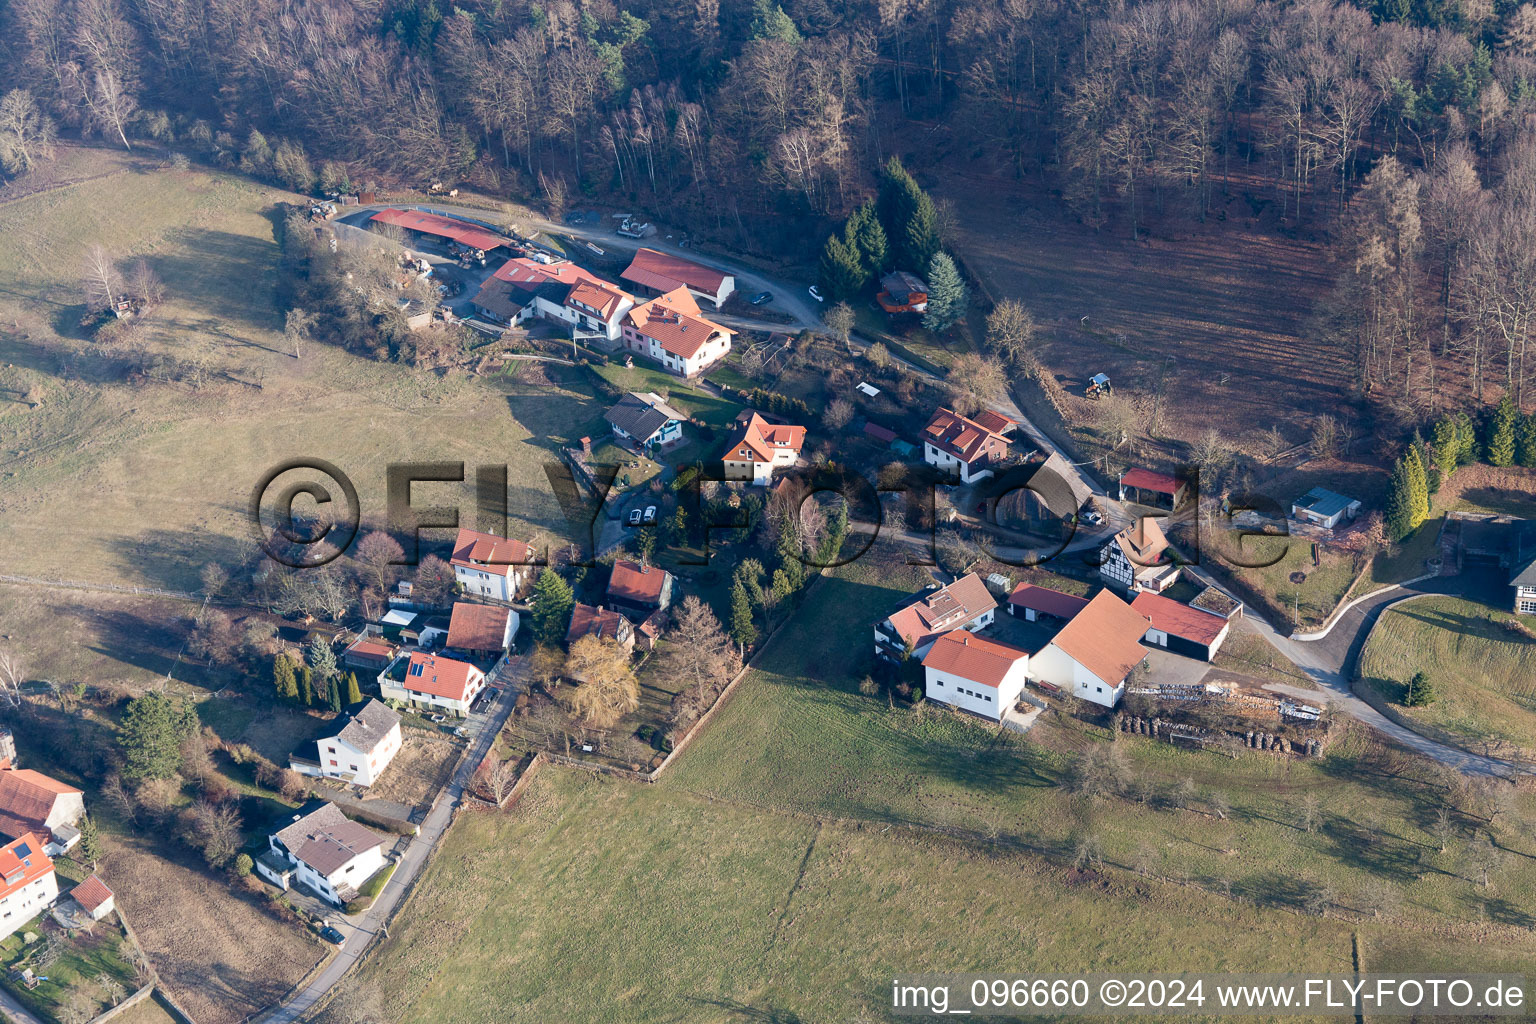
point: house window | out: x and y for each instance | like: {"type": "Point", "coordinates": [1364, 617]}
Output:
{"type": "Point", "coordinates": [1098, 689]}
{"type": "Point", "coordinates": [1528, 606]}
{"type": "Point", "coordinates": [988, 700]}
{"type": "Point", "coordinates": [333, 764]}
{"type": "Point", "coordinates": [352, 767]}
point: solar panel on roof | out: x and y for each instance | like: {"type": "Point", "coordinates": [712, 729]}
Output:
{"type": "Point", "coordinates": [23, 850]}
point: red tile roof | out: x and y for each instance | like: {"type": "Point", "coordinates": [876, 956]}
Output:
{"type": "Point", "coordinates": [478, 627]}
{"type": "Point", "coordinates": [22, 862]}
{"type": "Point", "coordinates": [584, 286]}
{"type": "Point", "coordinates": [443, 227]}
{"type": "Point", "coordinates": [91, 893]}
{"type": "Point", "coordinates": [1143, 542]}
{"type": "Point", "coordinates": [440, 676]}
{"type": "Point", "coordinates": [1150, 480]}
{"type": "Point", "coordinates": [588, 619]}
{"type": "Point", "coordinates": [674, 322]}
{"type": "Point", "coordinates": [759, 439]}
{"type": "Point", "coordinates": [26, 800]}
{"type": "Point", "coordinates": [1105, 638]}
{"type": "Point", "coordinates": [996, 422]}
{"type": "Point", "coordinates": [371, 647]}
{"type": "Point", "coordinates": [664, 272]}
{"type": "Point", "coordinates": [1179, 619]}
{"type": "Point", "coordinates": [965, 439]}
{"type": "Point", "coordinates": [632, 581]}
{"type": "Point", "coordinates": [971, 657]}
{"type": "Point", "coordinates": [488, 552]}
{"type": "Point", "coordinates": [1044, 599]}
{"type": "Point", "coordinates": [879, 433]}
{"type": "Point", "coordinates": [941, 610]}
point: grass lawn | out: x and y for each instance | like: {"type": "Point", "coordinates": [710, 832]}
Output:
{"type": "Point", "coordinates": [85, 958]}
{"type": "Point", "coordinates": [1308, 603]}
{"type": "Point", "coordinates": [1406, 560]}
{"type": "Point", "coordinates": [717, 413]}
{"type": "Point", "coordinates": [1484, 673]}
{"type": "Point", "coordinates": [1249, 654]}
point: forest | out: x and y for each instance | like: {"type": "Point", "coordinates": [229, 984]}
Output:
{"type": "Point", "coordinates": [1401, 132]}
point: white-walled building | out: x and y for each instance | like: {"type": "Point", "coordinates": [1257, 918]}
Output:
{"type": "Point", "coordinates": [968, 447]}
{"type": "Point", "coordinates": [1179, 628]}
{"type": "Point", "coordinates": [661, 272]}
{"type": "Point", "coordinates": [94, 898]}
{"type": "Point", "coordinates": [28, 885]}
{"type": "Point", "coordinates": [433, 682]}
{"type": "Point", "coordinates": [360, 750]}
{"type": "Point", "coordinates": [489, 566]}
{"type": "Point", "coordinates": [33, 802]}
{"type": "Point", "coordinates": [1132, 559]}
{"type": "Point", "coordinates": [974, 674]}
{"type": "Point", "coordinates": [646, 420]}
{"type": "Point", "coordinates": [760, 447]}
{"type": "Point", "coordinates": [563, 291]}
{"type": "Point", "coordinates": [927, 615]}
{"type": "Point", "coordinates": [1095, 652]}
{"type": "Point", "coordinates": [325, 851]}
{"type": "Point", "coordinates": [671, 330]}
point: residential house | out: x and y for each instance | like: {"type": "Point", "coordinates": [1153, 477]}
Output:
{"type": "Point", "coordinates": [28, 885]}
{"type": "Point", "coordinates": [670, 330]}
{"type": "Point", "coordinates": [659, 272]}
{"type": "Point", "coordinates": [481, 628]}
{"type": "Point", "coordinates": [369, 653]}
{"type": "Point", "coordinates": [760, 447]}
{"type": "Point", "coordinates": [562, 291]}
{"type": "Point", "coordinates": [359, 751]}
{"type": "Point", "coordinates": [1522, 567]}
{"type": "Point", "coordinates": [433, 682]}
{"type": "Point", "coordinates": [590, 620]}
{"type": "Point", "coordinates": [639, 589]}
{"type": "Point", "coordinates": [1504, 546]}
{"type": "Point", "coordinates": [490, 566]}
{"type": "Point", "coordinates": [33, 803]}
{"type": "Point", "coordinates": [1324, 509]}
{"type": "Point", "coordinates": [974, 674]}
{"type": "Point", "coordinates": [923, 617]}
{"type": "Point", "coordinates": [646, 420]}
{"type": "Point", "coordinates": [1133, 558]}
{"type": "Point", "coordinates": [1180, 628]}
{"type": "Point", "coordinates": [1153, 489]}
{"type": "Point", "coordinates": [323, 850]}
{"type": "Point", "coordinates": [964, 446]}
{"type": "Point", "coordinates": [1095, 652]}
{"type": "Point", "coordinates": [94, 898]}
{"type": "Point", "coordinates": [1034, 603]}
{"type": "Point", "coordinates": [505, 303]}
{"type": "Point", "coordinates": [902, 292]}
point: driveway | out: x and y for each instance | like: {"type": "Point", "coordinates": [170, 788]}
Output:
{"type": "Point", "coordinates": [371, 922]}
{"type": "Point", "coordinates": [13, 1011]}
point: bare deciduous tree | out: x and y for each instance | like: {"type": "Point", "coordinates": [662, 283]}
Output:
{"type": "Point", "coordinates": [99, 278]}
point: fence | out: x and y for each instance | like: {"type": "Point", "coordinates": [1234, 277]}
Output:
{"type": "Point", "coordinates": [43, 581]}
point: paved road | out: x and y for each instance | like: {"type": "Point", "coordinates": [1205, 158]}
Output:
{"type": "Point", "coordinates": [13, 1011]}
{"type": "Point", "coordinates": [365, 927]}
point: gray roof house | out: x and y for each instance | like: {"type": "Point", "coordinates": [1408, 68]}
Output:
{"type": "Point", "coordinates": [1324, 508]}
{"type": "Point", "coordinates": [325, 851]}
{"type": "Point", "coordinates": [1522, 565]}
{"type": "Point", "coordinates": [646, 419]}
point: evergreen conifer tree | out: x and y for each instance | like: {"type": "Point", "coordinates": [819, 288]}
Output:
{"type": "Point", "coordinates": [947, 297]}
{"type": "Point", "coordinates": [1499, 449]}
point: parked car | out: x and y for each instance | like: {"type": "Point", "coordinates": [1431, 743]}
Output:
{"type": "Point", "coordinates": [634, 517]}
{"type": "Point", "coordinates": [331, 935]}
{"type": "Point", "coordinates": [816, 294]}
{"type": "Point", "coordinates": [650, 513]}
{"type": "Point", "coordinates": [1094, 516]}
{"type": "Point", "coordinates": [761, 297]}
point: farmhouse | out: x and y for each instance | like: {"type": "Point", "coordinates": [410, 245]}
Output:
{"type": "Point", "coordinates": [646, 420]}
{"type": "Point", "coordinates": [1095, 652]}
{"type": "Point", "coordinates": [481, 628]}
{"type": "Point", "coordinates": [324, 851]}
{"type": "Point", "coordinates": [974, 674]}
{"type": "Point", "coordinates": [489, 566]}
{"type": "Point", "coordinates": [563, 291]}
{"type": "Point", "coordinates": [901, 292]}
{"type": "Point", "coordinates": [1323, 508]}
{"type": "Point", "coordinates": [33, 803]}
{"type": "Point", "coordinates": [660, 272]}
{"type": "Point", "coordinates": [450, 229]}
{"type": "Point", "coordinates": [360, 750]}
{"type": "Point", "coordinates": [671, 331]}
{"type": "Point", "coordinates": [433, 682]}
{"type": "Point", "coordinates": [1034, 603]}
{"type": "Point", "coordinates": [964, 446]}
{"type": "Point", "coordinates": [927, 615]}
{"type": "Point", "coordinates": [94, 898]}
{"type": "Point", "coordinates": [505, 303]}
{"type": "Point", "coordinates": [589, 620]}
{"type": "Point", "coordinates": [28, 885]}
{"type": "Point", "coordinates": [1132, 558]}
{"type": "Point", "coordinates": [635, 587]}
{"type": "Point", "coordinates": [1155, 490]}
{"type": "Point", "coordinates": [1181, 628]}
{"type": "Point", "coordinates": [761, 447]}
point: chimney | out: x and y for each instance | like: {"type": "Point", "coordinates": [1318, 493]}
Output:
{"type": "Point", "coordinates": [586, 446]}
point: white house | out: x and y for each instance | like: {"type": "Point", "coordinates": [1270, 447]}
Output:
{"type": "Point", "coordinates": [28, 885]}
{"type": "Point", "coordinates": [761, 447]}
{"type": "Point", "coordinates": [489, 566]}
{"type": "Point", "coordinates": [927, 615]}
{"type": "Point", "coordinates": [563, 291]}
{"type": "Point", "coordinates": [969, 448]}
{"type": "Point", "coordinates": [1095, 652]}
{"type": "Point", "coordinates": [1132, 559]}
{"type": "Point", "coordinates": [432, 681]}
{"type": "Point", "coordinates": [974, 674]}
{"type": "Point", "coordinates": [646, 420]}
{"type": "Point", "coordinates": [33, 802]}
{"type": "Point", "coordinates": [671, 330]}
{"type": "Point", "coordinates": [482, 628]}
{"type": "Point", "coordinates": [323, 850]}
{"type": "Point", "coordinates": [360, 750]}
{"type": "Point", "coordinates": [661, 272]}
{"type": "Point", "coordinates": [94, 898]}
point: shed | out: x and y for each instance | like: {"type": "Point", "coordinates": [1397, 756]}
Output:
{"type": "Point", "coordinates": [1324, 508]}
{"type": "Point", "coordinates": [879, 433]}
{"type": "Point", "coordinates": [1179, 628]}
{"type": "Point", "coordinates": [94, 898]}
{"type": "Point", "coordinates": [1151, 488]}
